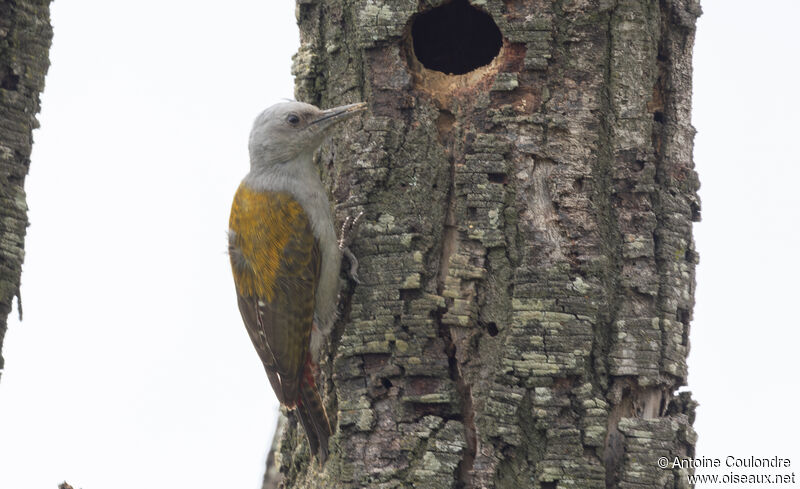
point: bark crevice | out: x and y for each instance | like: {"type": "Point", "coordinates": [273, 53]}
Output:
{"type": "Point", "coordinates": [450, 240]}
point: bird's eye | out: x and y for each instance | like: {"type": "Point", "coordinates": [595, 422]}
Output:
{"type": "Point", "coordinates": [292, 119]}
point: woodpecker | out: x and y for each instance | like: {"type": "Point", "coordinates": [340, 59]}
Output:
{"type": "Point", "coordinates": [285, 256]}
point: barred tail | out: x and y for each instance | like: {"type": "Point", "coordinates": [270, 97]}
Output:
{"type": "Point", "coordinates": [312, 416]}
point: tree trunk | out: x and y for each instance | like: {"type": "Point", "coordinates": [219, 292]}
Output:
{"type": "Point", "coordinates": [25, 35]}
{"type": "Point", "coordinates": [526, 249]}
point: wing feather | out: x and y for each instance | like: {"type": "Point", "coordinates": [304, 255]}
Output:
{"type": "Point", "coordinates": [276, 263]}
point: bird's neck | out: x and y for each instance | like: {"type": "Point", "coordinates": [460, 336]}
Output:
{"type": "Point", "coordinates": [288, 175]}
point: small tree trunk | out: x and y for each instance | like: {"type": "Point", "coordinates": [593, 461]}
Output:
{"type": "Point", "coordinates": [526, 250]}
{"type": "Point", "coordinates": [25, 35]}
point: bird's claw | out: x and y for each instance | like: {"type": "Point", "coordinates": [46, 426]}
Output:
{"type": "Point", "coordinates": [353, 270]}
{"type": "Point", "coordinates": [348, 226]}
{"type": "Point", "coordinates": [345, 238]}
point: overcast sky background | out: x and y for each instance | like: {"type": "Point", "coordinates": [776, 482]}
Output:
{"type": "Point", "coordinates": [132, 369]}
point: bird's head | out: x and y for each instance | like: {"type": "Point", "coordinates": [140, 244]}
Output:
{"type": "Point", "coordinates": [288, 130]}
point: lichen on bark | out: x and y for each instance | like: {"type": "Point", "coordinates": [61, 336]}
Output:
{"type": "Point", "coordinates": [526, 252]}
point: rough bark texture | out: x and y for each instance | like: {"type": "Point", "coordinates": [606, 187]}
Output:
{"type": "Point", "coordinates": [25, 35]}
{"type": "Point", "coordinates": [526, 251]}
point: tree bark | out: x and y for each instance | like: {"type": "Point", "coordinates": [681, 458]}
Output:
{"type": "Point", "coordinates": [25, 36]}
{"type": "Point", "coordinates": [526, 252]}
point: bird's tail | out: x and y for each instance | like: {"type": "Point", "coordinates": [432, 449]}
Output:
{"type": "Point", "coordinates": [312, 415]}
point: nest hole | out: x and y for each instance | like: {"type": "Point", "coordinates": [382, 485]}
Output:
{"type": "Point", "coordinates": [455, 38]}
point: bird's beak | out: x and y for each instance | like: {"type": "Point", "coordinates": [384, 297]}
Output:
{"type": "Point", "coordinates": [330, 117]}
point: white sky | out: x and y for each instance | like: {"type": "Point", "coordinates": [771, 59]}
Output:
{"type": "Point", "coordinates": [744, 363]}
{"type": "Point", "coordinates": [132, 369]}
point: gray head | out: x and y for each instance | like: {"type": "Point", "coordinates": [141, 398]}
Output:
{"type": "Point", "coordinates": [288, 130]}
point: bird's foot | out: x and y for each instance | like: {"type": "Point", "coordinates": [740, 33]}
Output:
{"type": "Point", "coordinates": [349, 226]}
{"type": "Point", "coordinates": [345, 239]}
{"type": "Point", "coordinates": [352, 272]}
